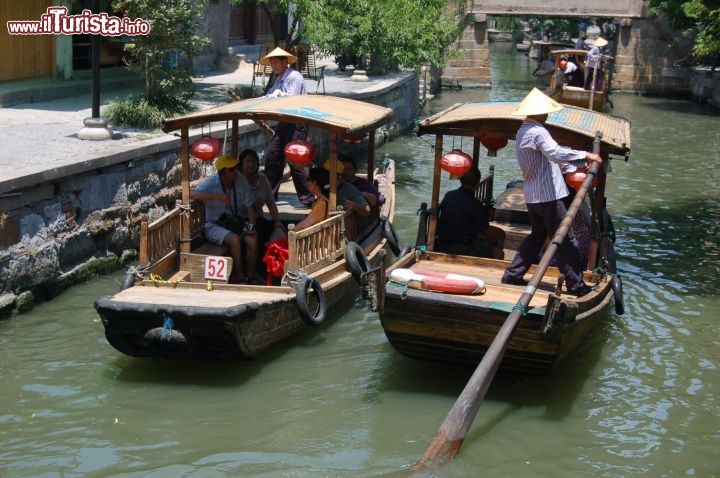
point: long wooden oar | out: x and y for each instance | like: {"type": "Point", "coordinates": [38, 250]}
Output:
{"type": "Point", "coordinates": [456, 425]}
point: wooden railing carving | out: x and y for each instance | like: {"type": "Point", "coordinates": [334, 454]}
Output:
{"type": "Point", "coordinates": [317, 246]}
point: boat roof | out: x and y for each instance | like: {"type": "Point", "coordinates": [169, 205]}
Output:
{"type": "Point", "coordinates": [572, 126]}
{"type": "Point", "coordinates": [569, 51]}
{"type": "Point", "coordinates": [329, 112]}
{"type": "Point", "coordinates": [552, 42]}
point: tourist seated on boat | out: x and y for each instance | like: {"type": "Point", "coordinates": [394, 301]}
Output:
{"type": "Point", "coordinates": [262, 195]}
{"type": "Point", "coordinates": [463, 219]}
{"type": "Point", "coordinates": [581, 227]}
{"type": "Point", "coordinates": [572, 75]}
{"type": "Point", "coordinates": [366, 187]}
{"type": "Point", "coordinates": [228, 199]}
{"type": "Point", "coordinates": [349, 196]}
{"type": "Point", "coordinates": [318, 184]}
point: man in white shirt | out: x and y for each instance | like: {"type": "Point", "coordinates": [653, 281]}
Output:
{"type": "Point", "coordinates": [539, 157]}
{"type": "Point", "coordinates": [287, 82]}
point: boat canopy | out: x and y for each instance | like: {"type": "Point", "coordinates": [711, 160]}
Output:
{"type": "Point", "coordinates": [329, 112]}
{"type": "Point", "coordinates": [568, 52]}
{"type": "Point", "coordinates": [572, 126]}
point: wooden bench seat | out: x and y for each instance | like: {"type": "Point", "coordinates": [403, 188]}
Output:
{"type": "Point", "coordinates": [209, 249]}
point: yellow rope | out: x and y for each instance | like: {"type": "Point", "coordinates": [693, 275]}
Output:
{"type": "Point", "coordinates": [157, 280]}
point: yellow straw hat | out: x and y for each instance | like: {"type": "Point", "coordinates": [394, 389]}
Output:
{"type": "Point", "coordinates": [225, 162]}
{"type": "Point", "coordinates": [536, 103]}
{"type": "Point", "coordinates": [339, 165]}
{"type": "Point", "coordinates": [278, 53]}
{"type": "Point", "coordinates": [600, 42]}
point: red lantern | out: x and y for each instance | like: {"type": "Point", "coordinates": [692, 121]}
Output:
{"type": "Point", "coordinates": [576, 178]}
{"type": "Point", "coordinates": [456, 162]}
{"type": "Point", "coordinates": [206, 148]}
{"type": "Point", "coordinates": [493, 142]}
{"type": "Point", "coordinates": [352, 138]}
{"type": "Point", "coordinates": [300, 152]}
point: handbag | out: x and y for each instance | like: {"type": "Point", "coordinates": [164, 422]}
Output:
{"type": "Point", "coordinates": [231, 223]}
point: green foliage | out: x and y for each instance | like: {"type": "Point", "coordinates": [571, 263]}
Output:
{"type": "Point", "coordinates": [508, 23]}
{"type": "Point", "coordinates": [697, 19]}
{"type": "Point", "coordinates": [395, 34]}
{"type": "Point", "coordinates": [163, 56]}
{"type": "Point", "coordinates": [139, 112]}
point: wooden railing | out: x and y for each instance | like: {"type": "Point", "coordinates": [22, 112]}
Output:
{"type": "Point", "coordinates": [317, 246]}
{"type": "Point", "coordinates": [163, 236]}
{"type": "Point", "coordinates": [485, 191]}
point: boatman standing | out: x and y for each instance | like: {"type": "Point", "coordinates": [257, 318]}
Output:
{"type": "Point", "coordinates": [539, 157]}
{"type": "Point", "coordinates": [287, 82]}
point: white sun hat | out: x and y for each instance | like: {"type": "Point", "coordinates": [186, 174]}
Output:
{"type": "Point", "coordinates": [278, 53]}
{"type": "Point", "coordinates": [536, 103]}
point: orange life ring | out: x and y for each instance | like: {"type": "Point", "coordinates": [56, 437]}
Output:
{"type": "Point", "coordinates": [433, 281]}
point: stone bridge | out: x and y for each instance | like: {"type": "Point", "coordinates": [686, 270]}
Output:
{"type": "Point", "coordinates": [649, 56]}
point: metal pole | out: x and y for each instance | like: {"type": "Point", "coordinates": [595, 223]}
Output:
{"type": "Point", "coordinates": [95, 63]}
{"type": "Point", "coordinates": [95, 127]}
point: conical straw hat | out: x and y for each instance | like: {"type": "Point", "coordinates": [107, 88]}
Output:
{"type": "Point", "coordinates": [278, 53]}
{"type": "Point", "coordinates": [600, 42]}
{"type": "Point", "coordinates": [536, 103]}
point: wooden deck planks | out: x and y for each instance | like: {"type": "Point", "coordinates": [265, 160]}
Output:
{"type": "Point", "coordinates": [182, 296]}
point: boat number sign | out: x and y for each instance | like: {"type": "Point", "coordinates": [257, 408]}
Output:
{"type": "Point", "coordinates": [217, 268]}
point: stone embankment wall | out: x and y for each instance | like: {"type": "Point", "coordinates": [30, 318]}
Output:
{"type": "Point", "coordinates": [55, 235]}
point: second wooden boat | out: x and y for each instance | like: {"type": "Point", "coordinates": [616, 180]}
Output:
{"type": "Point", "coordinates": [176, 304]}
{"type": "Point", "coordinates": [458, 328]}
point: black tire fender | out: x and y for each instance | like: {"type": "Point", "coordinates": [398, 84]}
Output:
{"type": "Point", "coordinates": [618, 295]}
{"type": "Point", "coordinates": [309, 285]}
{"type": "Point", "coordinates": [166, 338]}
{"type": "Point", "coordinates": [392, 239]}
{"type": "Point", "coordinates": [356, 260]}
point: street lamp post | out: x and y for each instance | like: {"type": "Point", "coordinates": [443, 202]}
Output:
{"type": "Point", "coordinates": [95, 127]}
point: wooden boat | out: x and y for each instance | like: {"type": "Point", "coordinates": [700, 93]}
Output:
{"type": "Point", "coordinates": [495, 35]}
{"type": "Point", "coordinates": [175, 306]}
{"type": "Point", "coordinates": [596, 99]}
{"type": "Point", "coordinates": [541, 50]}
{"type": "Point", "coordinates": [458, 328]}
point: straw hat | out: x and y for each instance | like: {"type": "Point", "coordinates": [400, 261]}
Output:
{"type": "Point", "coordinates": [225, 162]}
{"type": "Point", "coordinates": [536, 103]}
{"type": "Point", "coordinates": [278, 53]}
{"type": "Point", "coordinates": [600, 42]}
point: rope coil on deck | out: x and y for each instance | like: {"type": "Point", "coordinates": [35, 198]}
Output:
{"type": "Point", "coordinates": [158, 281]}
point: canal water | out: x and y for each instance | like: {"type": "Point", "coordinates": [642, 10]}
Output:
{"type": "Point", "coordinates": [639, 398]}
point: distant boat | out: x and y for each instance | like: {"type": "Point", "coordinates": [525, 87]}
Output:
{"type": "Point", "coordinates": [500, 35]}
{"type": "Point", "coordinates": [524, 46]}
{"type": "Point", "coordinates": [596, 100]}
{"type": "Point", "coordinates": [542, 51]}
